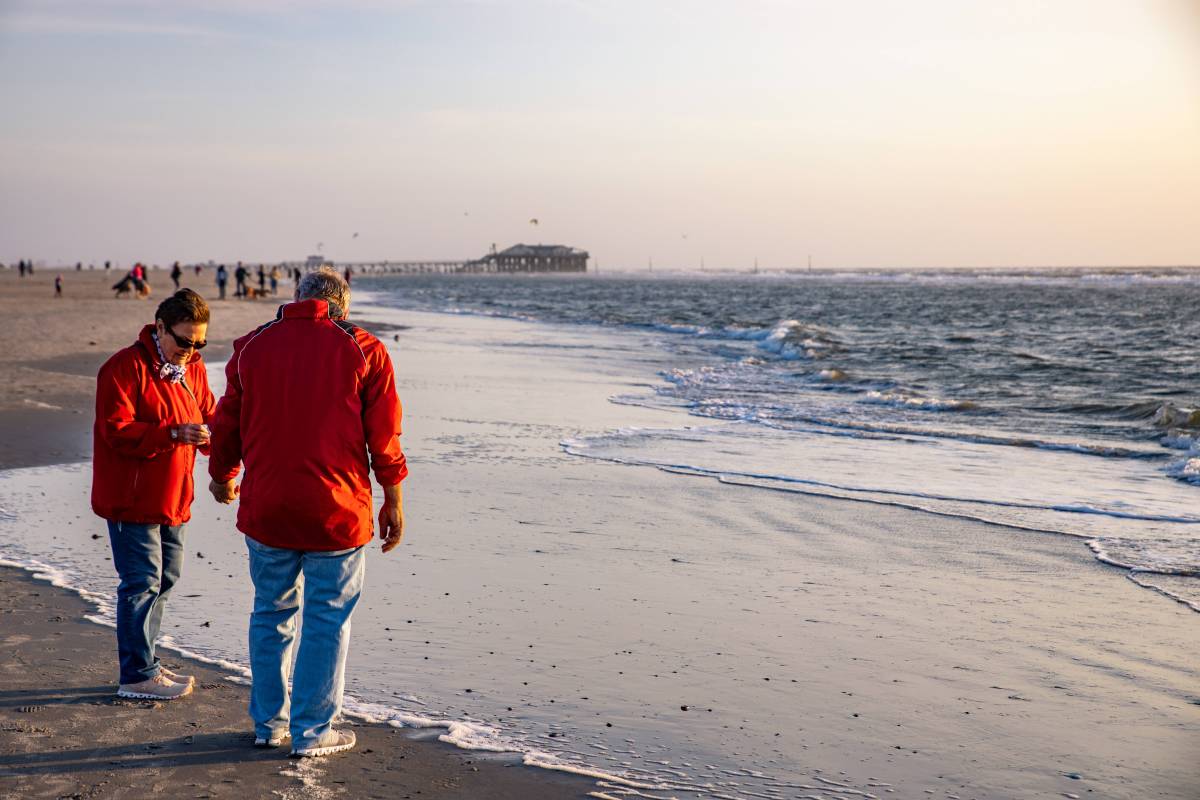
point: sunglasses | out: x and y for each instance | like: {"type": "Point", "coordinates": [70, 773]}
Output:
{"type": "Point", "coordinates": [186, 344]}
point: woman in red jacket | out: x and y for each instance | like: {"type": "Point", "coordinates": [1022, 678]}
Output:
{"type": "Point", "coordinates": [152, 408]}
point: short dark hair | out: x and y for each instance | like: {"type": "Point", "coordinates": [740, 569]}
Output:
{"type": "Point", "coordinates": [183, 306]}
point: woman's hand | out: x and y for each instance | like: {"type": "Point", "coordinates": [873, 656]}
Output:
{"type": "Point", "coordinates": [191, 433]}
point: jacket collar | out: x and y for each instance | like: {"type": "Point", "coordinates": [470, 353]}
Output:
{"type": "Point", "coordinates": [146, 340]}
{"type": "Point", "coordinates": [304, 309]}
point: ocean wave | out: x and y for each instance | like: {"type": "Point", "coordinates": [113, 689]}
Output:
{"type": "Point", "coordinates": [1125, 411]}
{"type": "Point", "coordinates": [734, 391]}
{"type": "Point", "coordinates": [673, 327]}
{"type": "Point", "coordinates": [788, 339]}
{"type": "Point", "coordinates": [905, 400]}
{"type": "Point", "coordinates": [726, 391]}
{"type": "Point", "coordinates": [1180, 588]}
{"type": "Point", "coordinates": [1169, 415]}
{"type": "Point", "coordinates": [1177, 440]}
{"type": "Point", "coordinates": [785, 419]}
{"type": "Point", "coordinates": [1160, 556]}
{"type": "Point", "coordinates": [793, 340]}
{"type": "Point", "coordinates": [578, 446]}
{"type": "Point", "coordinates": [493, 313]}
{"type": "Point", "coordinates": [1186, 470]}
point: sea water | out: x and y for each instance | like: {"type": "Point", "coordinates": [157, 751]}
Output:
{"type": "Point", "coordinates": [1060, 401]}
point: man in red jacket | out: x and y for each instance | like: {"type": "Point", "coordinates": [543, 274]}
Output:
{"type": "Point", "coordinates": [311, 409]}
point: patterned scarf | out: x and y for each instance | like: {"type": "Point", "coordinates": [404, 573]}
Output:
{"type": "Point", "coordinates": [168, 371]}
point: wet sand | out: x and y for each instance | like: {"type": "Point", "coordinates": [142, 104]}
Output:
{"type": "Point", "coordinates": [63, 733]}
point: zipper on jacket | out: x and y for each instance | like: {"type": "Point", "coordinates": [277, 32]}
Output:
{"type": "Point", "coordinates": [195, 400]}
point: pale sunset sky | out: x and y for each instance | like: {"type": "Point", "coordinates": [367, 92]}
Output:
{"type": "Point", "coordinates": [868, 133]}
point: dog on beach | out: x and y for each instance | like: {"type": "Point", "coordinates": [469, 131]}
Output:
{"type": "Point", "coordinates": [128, 285]}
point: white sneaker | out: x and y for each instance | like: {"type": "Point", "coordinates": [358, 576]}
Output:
{"type": "Point", "coordinates": [188, 679]}
{"type": "Point", "coordinates": [332, 742]}
{"type": "Point", "coordinates": [159, 687]}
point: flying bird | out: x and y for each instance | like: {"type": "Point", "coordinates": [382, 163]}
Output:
{"type": "Point", "coordinates": [533, 221]}
{"type": "Point", "coordinates": [355, 236]}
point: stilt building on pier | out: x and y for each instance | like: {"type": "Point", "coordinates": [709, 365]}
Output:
{"type": "Point", "coordinates": [531, 258]}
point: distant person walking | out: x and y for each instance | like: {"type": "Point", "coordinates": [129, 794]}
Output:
{"type": "Point", "coordinates": [58, 285]}
{"type": "Point", "coordinates": [239, 277]}
{"type": "Point", "coordinates": [222, 279]}
{"type": "Point", "coordinates": [176, 274]}
{"type": "Point", "coordinates": [347, 275]}
{"type": "Point", "coordinates": [107, 266]}
{"type": "Point", "coordinates": [21, 267]}
{"type": "Point", "coordinates": [262, 280]}
{"type": "Point", "coordinates": [152, 406]}
{"type": "Point", "coordinates": [274, 281]}
{"type": "Point", "coordinates": [309, 436]}
{"type": "Point", "coordinates": [197, 268]}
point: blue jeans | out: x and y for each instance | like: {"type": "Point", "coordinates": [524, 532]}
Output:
{"type": "Point", "coordinates": [148, 558]}
{"type": "Point", "coordinates": [330, 582]}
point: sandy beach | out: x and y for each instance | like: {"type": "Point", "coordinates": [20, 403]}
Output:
{"type": "Point", "coordinates": [63, 732]}
{"type": "Point", "coordinates": [671, 634]}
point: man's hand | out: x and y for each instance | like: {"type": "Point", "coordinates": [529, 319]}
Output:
{"type": "Point", "coordinates": [224, 493]}
{"type": "Point", "coordinates": [391, 518]}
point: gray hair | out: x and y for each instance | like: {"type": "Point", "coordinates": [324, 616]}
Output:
{"type": "Point", "coordinates": [325, 284]}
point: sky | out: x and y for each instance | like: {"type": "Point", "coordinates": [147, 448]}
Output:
{"type": "Point", "coordinates": [862, 133]}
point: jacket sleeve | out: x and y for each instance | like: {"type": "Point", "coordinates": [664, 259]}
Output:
{"type": "Point", "coordinates": [381, 416]}
{"type": "Point", "coordinates": [117, 388]}
{"type": "Point", "coordinates": [225, 447]}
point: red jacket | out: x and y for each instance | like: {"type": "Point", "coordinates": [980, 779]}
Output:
{"type": "Point", "coordinates": [308, 401]}
{"type": "Point", "coordinates": [139, 474]}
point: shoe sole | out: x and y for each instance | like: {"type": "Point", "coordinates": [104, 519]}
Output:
{"type": "Point", "coordinates": [146, 696]}
{"type": "Point", "coordinates": [322, 751]}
